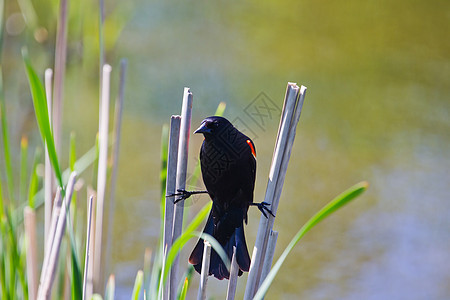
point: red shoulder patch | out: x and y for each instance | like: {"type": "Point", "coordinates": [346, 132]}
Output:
{"type": "Point", "coordinates": [252, 148]}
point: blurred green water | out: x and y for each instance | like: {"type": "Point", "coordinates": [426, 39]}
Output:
{"type": "Point", "coordinates": [377, 108]}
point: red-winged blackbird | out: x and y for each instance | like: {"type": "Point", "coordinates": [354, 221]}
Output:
{"type": "Point", "coordinates": [228, 164]}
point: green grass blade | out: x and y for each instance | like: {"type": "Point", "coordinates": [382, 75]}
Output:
{"type": "Point", "coordinates": [80, 166]}
{"type": "Point", "coordinates": [185, 237]}
{"type": "Point", "coordinates": [77, 276]}
{"type": "Point", "coordinates": [184, 289]}
{"type": "Point", "coordinates": [110, 288]}
{"type": "Point", "coordinates": [179, 243]}
{"type": "Point", "coordinates": [34, 179]}
{"type": "Point", "coordinates": [23, 169]}
{"type": "Point", "coordinates": [328, 209]}
{"type": "Point", "coordinates": [2, 205]}
{"type": "Point", "coordinates": [72, 152]}
{"type": "Point", "coordinates": [6, 148]}
{"type": "Point", "coordinates": [41, 111]}
{"type": "Point", "coordinates": [155, 275]}
{"type": "Point", "coordinates": [187, 275]}
{"type": "Point", "coordinates": [95, 164]}
{"type": "Point", "coordinates": [3, 243]}
{"type": "Point", "coordinates": [137, 285]}
{"type": "Point", "coordinates": [72, 161]}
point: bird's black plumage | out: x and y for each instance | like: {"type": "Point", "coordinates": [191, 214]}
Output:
{"type": "Point", "coordinates": [228, 164]}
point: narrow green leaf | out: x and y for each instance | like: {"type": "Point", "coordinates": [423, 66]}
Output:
{"type": "Point", "coordinates": [72, 161]}
{"type": "Point", "coordinates": [15, 264]}
{"type": "Point", "coordinates": [41, 111]}
{"type": "Point", "coordinates": [77, 277]}
{"type": "Point", "coordinates": [220, 109]}
{"type": "Point", "coordinates": [137, 285]}
{"type": "Point", "coordinates": [72, 152]}
{"type": "Point", "coordinates": [110, 288]}
{"type": "Point", "coordinates": [95, 164]}
{"type": "Point", "coordinates": [23, 169]}
{"type": "Point", "coordinates": [34, 179]}
{"type": "Point", "coordinates": [178, 245]}
{"type": "Point", "coordinates": [6, 148]}
{"type": "Point", "coordinates": [184, 289]}
{"type": "Point", "coordinates": [187, 275]}
{"type": "Point", "coordinates": [2, 204]}
{"type": "Point", "coordinates": [155, 274]}
{"type": "Point", "coordinates": [199, 218]}
{"type": "Point", "coordinates": [328, 209]}
{"type": "Point", "coordinates": [181, 242]}
{"type": "Point", "coordinates": [3, 254]}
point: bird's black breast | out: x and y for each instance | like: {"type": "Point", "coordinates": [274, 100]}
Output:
{"type": "Point", "coordinates": [228, 168]}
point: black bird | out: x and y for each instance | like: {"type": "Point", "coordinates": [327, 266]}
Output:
{"type": "Point", "coordinates": [228, 164]}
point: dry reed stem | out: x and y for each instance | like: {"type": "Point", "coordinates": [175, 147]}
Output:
{"type": "Point", "coordinates": [45, 288]}
{"type": "Point", "coordinates": [205, 271]}
{"type": "Point", "coordinates": [115, 158]}
{"type": "Point", "coordinates": [276, 170]}
{"type": "Point", "coordinates": [270, 252]}
{"type": "Point", "coordinates": [170, 189]}
{"type": "Point", "coordinates": [101, 178]}
{"type": "Point", "coordinates": [48, 175]}
{"type": "Point", "coordinates": [30, 235]}
{"type": "Point", "coordinates": [88, 245]}
{"type": "Point", "coordinates": [51, 234]}
{"type": "Point", "coordinates": [234, 272]}
{"type": "Point", "coordinates": [183, 148]}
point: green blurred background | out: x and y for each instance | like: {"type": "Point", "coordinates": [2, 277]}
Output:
{"type": "Point", "coordinates": [377, 108]}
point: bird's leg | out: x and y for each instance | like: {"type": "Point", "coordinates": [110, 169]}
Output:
{"type": "Point", "coordinates": [263, 206]}
{"type": "Point", "coordinates": [185, 194]}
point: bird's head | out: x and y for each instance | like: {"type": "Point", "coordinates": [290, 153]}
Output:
{"type": "Point", "coordinates": [212, 125]}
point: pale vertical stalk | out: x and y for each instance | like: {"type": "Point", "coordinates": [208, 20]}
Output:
{"type": "Point", "coordinates": [60, 69]}
{"type": "Point", "coordinates": [270, 252]}
{"type": "Point", "coordinates": [51, 232]}
{"type": "Point", "coordinates": [288, 148]}
{"type": "Point", "coordinates": [183, 148]}
{"type": "Point", "coordinates": [268, 257]}
{"type": "Point", "coordinates": [115, 158]}
{"type": "Point", "coordinates": [45, 289]}
{"type": "Point", "coordinates": [32, 268]}
{"type": "Point", "coordinates": [90, 270]}
{"type": "Point", "coordinates": [88, 245]}
{"type": "Point", "coordinates": [111, 288]}
{"type": "Point", "coordinates": [147, 268]}
{"type": "Point", "coordinates": [266, 224]}
{"type": "Point", "coordinates": [48, 176]}
{"type": "Point", "coordinates": [205, 271]}
{"type": "Point", "coordinates": [101, 177]}
{"type": "Point", "coordinates": [170, 189]}
{"type": "Point", "coordinates": [234, 273]}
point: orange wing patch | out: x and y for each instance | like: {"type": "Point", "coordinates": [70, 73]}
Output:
{"type": "Point", "coordinates": [252, 148]}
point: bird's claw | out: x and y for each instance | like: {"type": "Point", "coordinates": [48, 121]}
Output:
{"type": "Point", "coordinates": [182, 193]}
{"type": "Point", "coordinates": [263, 208]}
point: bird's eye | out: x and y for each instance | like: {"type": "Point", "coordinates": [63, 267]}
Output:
{"type": "Point", "coordinates": [210, 125]}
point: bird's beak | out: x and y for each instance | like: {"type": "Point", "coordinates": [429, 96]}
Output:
{"type": "Point", "coordinates": [203, 129]}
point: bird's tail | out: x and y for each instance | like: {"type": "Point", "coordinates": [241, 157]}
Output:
{"type": "Point", "coordinates": [227, 240]}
